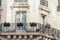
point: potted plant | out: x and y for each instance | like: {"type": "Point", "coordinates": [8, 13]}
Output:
{"type": "Point", "coordinates": [33, 24]}
{"type": "Point", "coordinates": [37, 30]}
{"type": "Point", "coordinates": [6, 24]}
{"type": "Point", "coordinates": [47, 25]}
{"type": "Point", "coordinates": [20, 24]}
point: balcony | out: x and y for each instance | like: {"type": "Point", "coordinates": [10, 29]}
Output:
{"type": "Point", "coordinates": [44, 9]}
{"type": "Point", "coordinates": [29, 29]}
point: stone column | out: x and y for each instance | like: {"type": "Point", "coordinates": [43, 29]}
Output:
{"type": "Point", "coordinates": [40, 37]}
{"type": "Point", "coordinates": [8, 37]}
{"type": "Point", "coordinates": [46, 38]}
{"type": "Point", "coordinates": [2, 38]}
{"type": "Point", "coordinates": [31, 36]}
{"type": "Point", "coordinates": [19, 36]}
{"type": "Point", "coordinates": [14, 37]}
{"type": "Point", "coordinates": [49, 39]}
{"type": "Point", "coordinates": [25, 37]}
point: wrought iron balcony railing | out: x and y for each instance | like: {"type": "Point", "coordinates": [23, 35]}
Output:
{"type": "Point", "coordinates": [32, 27]}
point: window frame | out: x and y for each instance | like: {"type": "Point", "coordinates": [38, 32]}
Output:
{"type": "Point", "coordinates": [44, 2]}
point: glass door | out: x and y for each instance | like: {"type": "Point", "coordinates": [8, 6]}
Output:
{"type": "Point", "coordinates": [21, 18]}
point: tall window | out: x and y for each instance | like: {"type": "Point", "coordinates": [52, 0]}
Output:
{"type": "Point", "coordinates": [0, 2]}
{"type": "Point", "coordinates": [44, 2]}
{"type": "Point", "coordinates": [58, 2]}
{"type": "Point", "coordinates": [21, 17]}
{"type": "Point", "coordinates": [20, 1]}
{"type": "Point", "coordinates": [58, 7]}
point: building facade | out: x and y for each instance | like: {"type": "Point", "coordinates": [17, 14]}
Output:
{"type": "Point", "coordinates": [29, 20]}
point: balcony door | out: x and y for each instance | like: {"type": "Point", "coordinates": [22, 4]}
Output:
{"type": "Point", "coordinates": [21, 17]}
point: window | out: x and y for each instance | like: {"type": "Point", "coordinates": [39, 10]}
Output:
{"type": "Point", "coordinates": [20, 0]}
{"type": "Point", "coordinates": [58, 2]}
{"type": "Point", "coordinates": [21, 17]}
{"type": "Point", "coordinates": [44, 2]}
{"type": "Point", "coordinates": [21, 20]}
{"type": "Point", "coordinates": [58, 7]}
{"type": "Point", "coordinates": [0, 2]}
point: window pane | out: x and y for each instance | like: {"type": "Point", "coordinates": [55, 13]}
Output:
{"type": "Point", "coordinates": [0, 2]}
{"type": "Point", "coordinates": [44, 2]}
{"type": "Point", "coordinates": [18, 20]}
{"type": "Point", "coordinates": [58, 8]}
{"type": "Point", "coordinates": [20, 0]}
{"type": "Point", "coordinates": [24, 16]}
{"type": "Point", "coordinates": [21, 17]}
{"type": "Point", "coordinates": [58, 2]}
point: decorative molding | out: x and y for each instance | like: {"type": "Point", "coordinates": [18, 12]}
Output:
{"type": "Point", "coordinates": [20, 6]}
{"type": "Point", "coordinates": [44, 10]}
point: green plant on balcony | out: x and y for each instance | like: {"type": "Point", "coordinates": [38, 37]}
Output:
{"type": "Point", "coordinates": [33, 24]}
{"type": "Point", "coordinates": [6, 24]}
{"type": "Point", "coordinates": [20, 24]}
{"type": "Point", "coordinates": [47, 25]}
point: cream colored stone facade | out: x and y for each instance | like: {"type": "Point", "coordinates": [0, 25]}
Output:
{"type": "Point", "coordinates": [28, 12]}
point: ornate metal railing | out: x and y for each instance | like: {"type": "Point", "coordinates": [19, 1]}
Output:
{"type": "Point", "coordinates": [31, 27]}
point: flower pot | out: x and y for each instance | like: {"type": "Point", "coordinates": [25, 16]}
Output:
{"type": "Point", "coordinates": [37, 30]}
{"type": "Point", "coordinates": [47, 25]}
{"type": "Point", "coordinates": [33, 24]}
{"type": "Point", "coordinates": [19, 24]}
{"type": "Point", "coordinates": [6, 24]}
